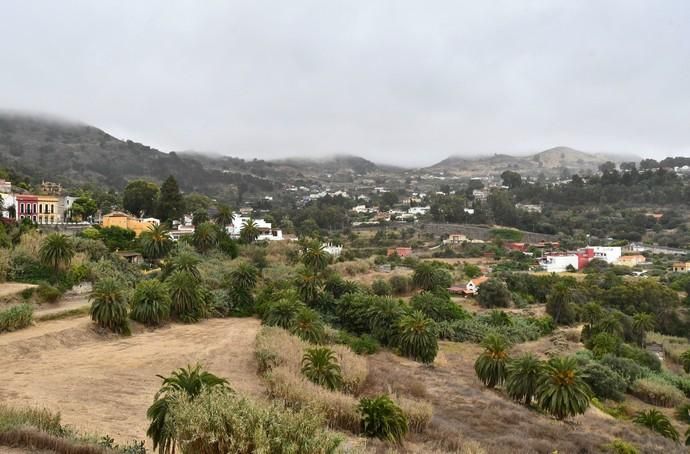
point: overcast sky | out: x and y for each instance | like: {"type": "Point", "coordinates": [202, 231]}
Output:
{"type": "Point", "coordinates": [405, 82]}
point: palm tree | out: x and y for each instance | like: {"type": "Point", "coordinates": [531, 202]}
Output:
{"type": "Point", "coordinates": [314, 256]}
{"type": "Point", "coordinates": [109, 305]}
{"type": "Point", "coordinates": [591, 313]}
{"type": "Point", "coordinates": [185, 261]}
{"type": "Point", "coordinates": [320, 365]}
{"type": "Point", "coordinates": [561, 391]}
{"type": "Point", "coordinates": [186, 303]}
{"type": "Point", "coordinates": [224, 216]}
{"type": "Point", "coordinates": [205, 236]}
{"type": "Point", "coordinates": [309, 285]}
{"type": "Point", "coordinates": [643, 322]}
{"type": "Point", "coordinates": [490, 366]}
{"type": "Point", "coordinates": [424, 276]}
{"type": "Point", "coordinates": [283, 313]}
{"type": "Point", "coordinates": [241, 283]}
{"type": "Point", "coordinates": [249, 231]}
{"type": "Point", "coordinates": [150, 303]}
{"type": "Point", "coordinates": [384, 316]}
{"type": "Point", "coordinates": [658, 422]}
{"type": "Point", "coordinates": [156, 242]}
{"type": "Point", "coordinates": [418, 337]}
{"type": "Point", "coordinates": [308, 326]}
{"type": "Point", "coordinates": [382, 418]}
{"type": "Point", "coordinates": [56, 250]}
{"type": "Point", "coordinates": [522, 377]}
{"type": "Point", "coordinates": [190, 381]}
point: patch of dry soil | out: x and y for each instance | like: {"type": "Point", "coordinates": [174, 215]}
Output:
{"type": "Point", "coordinates": [105, 384]}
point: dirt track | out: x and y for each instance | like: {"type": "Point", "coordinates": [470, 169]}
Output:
{"type": "Point", "coordinates": [105, 384]}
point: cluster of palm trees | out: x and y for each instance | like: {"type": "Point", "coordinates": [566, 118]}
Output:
{"type": "Point", "coordinates": [557, 385]}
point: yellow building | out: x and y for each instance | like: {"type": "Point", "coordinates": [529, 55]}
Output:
{"type": "Point", "coordinates": [47, 209]}
{"type": "Point", "coordinates": [127, 221]}
{"type": "Point", "coordinates": [681, 267]}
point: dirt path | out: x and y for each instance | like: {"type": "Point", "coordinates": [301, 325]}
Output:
{"type": "Point", "coordinates": [11, 288]}
{"type": "Point", "coordinates": [105, 384]}
{"type": "Point", "coordinates": [64, 305]}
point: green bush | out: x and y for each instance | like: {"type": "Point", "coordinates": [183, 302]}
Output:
{"type": "Point", "coordinates": [382, 418]}
{"type": "Point", "coordinates": [308, 326]}
{"type": "Point", "coordinates": [381, 288]}
{"type": "Point", "coordinates": [219, 422]}
{"type": "Point", "coordinates": [16, 317]}
{"type": "Point", "coordinates": [683, 413]}
{"type": "Point", "coordinates": [400, 285]}
{"type": "Point", "coordinates": [494, 293]}
{"type": "Point", "coordinates": [28, 269]}
{"type": "Point", "coordinates": [640, 356]}
{"type": "Point", "coordinates": [48, 293]}
{"type": "Point", "coordinates": [657, 392]}
{"type": "Point", "coordinates": [621, 447]}
{"type": "Point", "coordinates": [437, 307]}
{"type": "Point", "coordinates": [27, 293]}
{"type": "Point", "coordinates": [362, 345]}
{"type": "Point", "coordinates": [151, 303]}
{"type": "Point", "coordinates": [604, 382]}
{"type": "Point", "coordinates": [283, 313]}
{"type": "Point", "coordinates": [625, 367]}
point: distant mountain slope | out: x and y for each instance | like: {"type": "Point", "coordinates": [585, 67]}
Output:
{"type": "Point", "coordinates": [73, 154]}
{"type": "Point", "coordinates": [550, 162]}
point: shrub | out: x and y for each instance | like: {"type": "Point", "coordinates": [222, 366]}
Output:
{"type": "Point", "coordinates": [109, 306]}
{"type": "Point", "coordinates": [683, 413]}
{"type": "Point", "coordinates": [604, 382]}
{"type": "Point", "coordinates": [658, 422]}
{"type": "Point", "coordinates": [364, 344]}
{"type": "Point", "coordinates": [400, 285]}
{"type": "Point", "coordinates": [16, 317]}
{"type": "Point", "coordinates": [186, 303]}
{"type": "Point", "coordinates": [685, 361]}
{"type": "Point", "coordinates": [219, 422]}
{"type": "Point", "coordinates": [418, 338]}
{"type": "Point", "coordinates": [657, 393]}
{"type": "Point", "coordinates": [494, 293]}
{"type": "Point", "coordinates": [438, 308]}
{"type": "Point", "coordinates": [383, 419]}
{"type": "Point", "coordinates": [418, 413]}
{"type": "Point", "coordinates": [640, 356]}
{"type": "Point", "coordinates": [381, 288]}
{"type": "Point", "coordinates": [621, 447]}
{"type": "Point", "coordinates": [48, 293]}
{"type": "Point", "coordinates": [561, 391]}
{"type": "Point", "coordinates": [490, 366]}
{"type": "Point", "coordinates": [522, 377]}
{"type": "Point", "coordinates": [353, 369]}
{"type": "Point", "coordinates": [150, 303]}
{"type": "Point", "coordinates": [320, 366]}
{"type": "Point", "coordinates": [625, 367]}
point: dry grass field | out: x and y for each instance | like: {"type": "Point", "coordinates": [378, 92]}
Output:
{"type": "Point", "coordinates": [105, 384]}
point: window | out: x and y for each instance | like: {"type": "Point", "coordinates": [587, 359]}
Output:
{"type": "Point", "coordinates": [21, 209]}
{"type": "Point", "coordinates": [40, 208]}
{"type": "Point", "coordinates": [52, 208]}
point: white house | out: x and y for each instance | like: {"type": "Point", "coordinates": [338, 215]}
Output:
{"type": "Point", "coordinates": [419, 210]}
{"type": "Point", "coordinates": [333, 249]}
{"type": "Point", "coordinates": [559, 263]}
{"type": "Point", "coordinates": [266, 231]}
{"type": "Point", "coordinates": [609, 254]}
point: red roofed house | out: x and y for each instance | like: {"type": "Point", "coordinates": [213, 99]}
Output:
{"type": "Point", "coordinates": [400, 251]}
{"type": "Point", "coordinates": [471, 288]}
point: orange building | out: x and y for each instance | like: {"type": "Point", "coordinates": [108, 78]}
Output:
{"type": "Point", "coordinates": [129, 222]}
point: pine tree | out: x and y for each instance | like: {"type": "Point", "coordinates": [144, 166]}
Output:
{"type": "Point", "coordinates": [171, 204]}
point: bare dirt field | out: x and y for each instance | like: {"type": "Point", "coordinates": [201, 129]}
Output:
{"type": "Point", "coordinates": [105, 384]}
{"type": "Point", "coordinates": [11, 288]}
{"type": "Point", "coordinates": [466, 412]}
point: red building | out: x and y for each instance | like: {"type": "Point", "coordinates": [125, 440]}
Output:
{"type": "Point", "coordinates": [26, 206]}
{"type": "Point", "coordinates": [400, 251]}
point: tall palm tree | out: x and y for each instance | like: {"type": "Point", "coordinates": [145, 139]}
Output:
{"type": "Point", "coordinates": [156, 242]}
{"type": "Point", "coordinates": [643, 322]}
{"type": "Point", "coordinates": [561, 391]}
{"type": "Point", "coordinates": [109, 305]}
{"type": "Point", "coordinates": [241, 284]}
{"type": "Point", "coordinates": [522, 377]}
{"type": "Point", "coordinates": [186, 303]}
{"type": "Point", "coordinates": [320, 365]}
{"type": "Point", "coordinates": [224, 216]}
{"type": "Point", "coordinates": [56, 250]}
{"type": "Point", "coordinates": [249, 231]}
{"type": "Point", "coordinates": [205, 236]}
{"type": "Point", "coordinates": [418, 337]}
{"type": "Point", "coordinates": [186, 261]}
{"type": "Point", "coordinates": [190, 381]}
{"type": "Point", "coordinates": [490, 366]}
{"type": "Point", "coordinates": [314, 256]}
{"type": "Point", "coordinates": [309, 285]}
{"type": "Point", "coordinates": [424, 276]}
